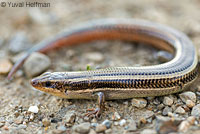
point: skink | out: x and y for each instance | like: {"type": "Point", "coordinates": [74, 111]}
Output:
{"type": "Point", "coordinates": [120, 82]}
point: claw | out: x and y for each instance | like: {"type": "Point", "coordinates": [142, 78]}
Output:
{"type": "Point", "coordinates": [96, 112]}
{"type": "Point", "coordinates": [93, 112]}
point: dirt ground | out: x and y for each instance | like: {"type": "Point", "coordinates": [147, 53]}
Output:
{"type": "Point", "coordinates": [17, 96]}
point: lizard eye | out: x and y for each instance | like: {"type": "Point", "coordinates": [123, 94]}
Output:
{"type": "Point", "coordinates": [48, 84]}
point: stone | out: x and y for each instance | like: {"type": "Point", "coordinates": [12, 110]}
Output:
{"type": "Point", "coordinates": [122, 122]}
{"type": "Point", "coordinates": [168, 101]}
{"type": "Point", "coordinates": [31, 118]}
{"type": "Point", "coordinates": [180, 110]}
{"type": "Point", "coordinates": [1, 124]}
{"type": "Point", "coordinates": [46, 122]}
{"type": "Point", "coordinates": [196, 111]}
{"type": "Point", "coordinates": [5, 66]}
{"type": "Point", "coordinates": [100, 128]}
{"type": "Point", "coordinates": [188, 96]}
{"type": "Point", "coordinates": [116, 116]}
{"type": "Point", "coordinates": [107, 123]}
{"type": "Point", "coordinates": [166, 110]}
{"type": "Point", "coordinates": [190, 103]}
{"type": "Point", "coordinates": [33, 109]}
{"type": "Point", "coordinates": [70, 117]}
{"type": "Point", "coordinates": [139, 102]}
{"type": "Point", "coordinates": [82, 128]}
{"type": "Point", "coordinates": [95, 56]}
{"type": "Point", "coordinates": [36, 64]}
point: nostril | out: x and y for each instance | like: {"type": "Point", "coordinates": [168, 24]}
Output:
{"type": "Point", "coordinates": [34, 82]}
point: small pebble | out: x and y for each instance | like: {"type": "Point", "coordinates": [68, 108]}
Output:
{"type": "Point", "coordinates": [46, 122]}
{"type": "Point", "coordinates": [132, 126]}
{"type": "Point", "coordinates": [61, 129]}
{"type": "Point", "coordinates": [21, 126]}
{"type": "Point", "coordinates": [5, 66]}
{"type": "Point", "coordinates": [1, 124]}
{"type": "Point", "coordinates": [190, 103]}
{"type": "Point", "coordinates": [167, 101]}
{"type": "Point", "coordinates": [160, 106]}
{"type": "Point", "coordinates": [70, 117]}
{"type": "Point", "coordinates": [31, 118]}
{"type": "Point", "coordinates": [19, 120]}
{"type": "Point", "coordinates": [100, 128]}
{"type": "Point", "coordinates": [139, 102]}
{"type": "Point", "coordinates": [148, 131]}
{"type": "Point", "coordinates": [188, 96]}
{"type": "Point", "coordinates": [94, 56]}
{"type": "Point", "coordinates": [180, 110]}
{"type": "Point", "coordinates": [107, 123]}
{"type": "Point", "coordinates": [122, 122]}
{"type": "Point", "coordinates": [33, 109]}
{"type": "Point", "coordinates": [196, 111]}
{"type": "Point", "coordinates": [143, 120]}
{"type": "Point", "coordinates": [94, 125]}
{"type": "Point", "coordinates": [82, 128]}
{"type": "Point", "coordinates": [116, 116]}
{"type": "Point", "coordinates": [36, 64]}
{"type": "Point", "coordinates": [166, 110]}
{"type": "Point", "coordinates": [94, 120]}
{"type": "Point", "coordinates": [5, 127]}
{"type": "Point", "coordinates": [40, 17]}
{"type": "Point", "coordinates": [19, 43]}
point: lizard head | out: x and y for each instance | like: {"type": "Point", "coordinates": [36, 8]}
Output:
{"type": "Point", "coordinates": [51, 83]}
